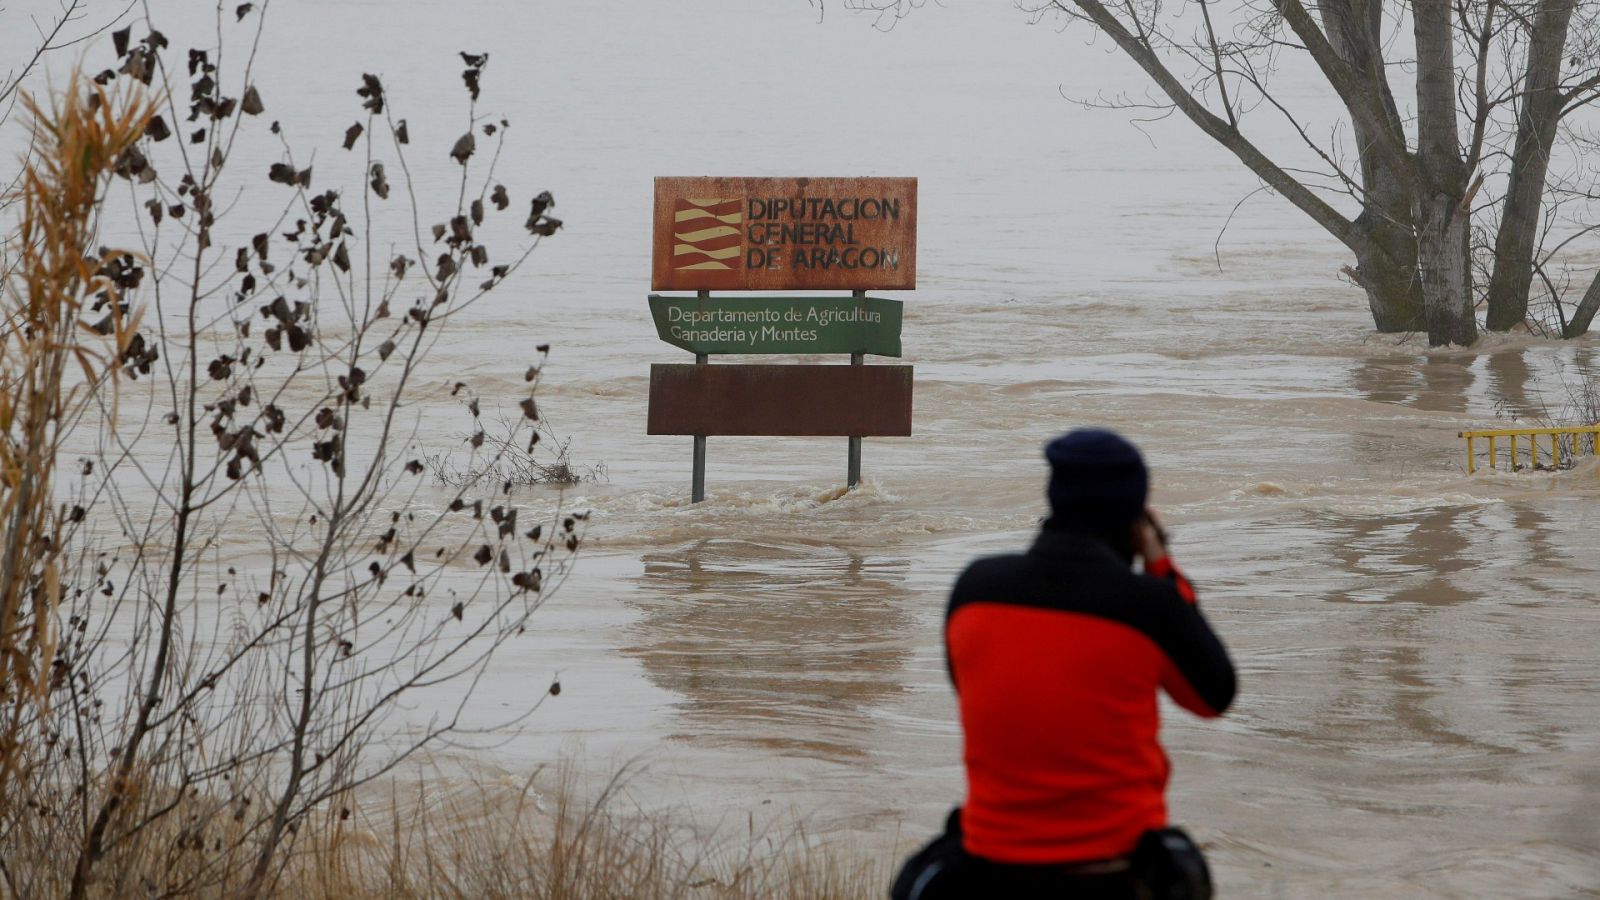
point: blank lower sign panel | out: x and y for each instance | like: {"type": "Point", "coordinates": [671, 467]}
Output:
{"type": "Point", "coordinates": [777, 400]}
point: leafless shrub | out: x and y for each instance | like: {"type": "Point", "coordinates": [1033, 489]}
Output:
{"type": "Point", "coordinates": [494, 458]}
{"type": "Point", "coordinates": [1572, 402]}
{"type": "Point", "coordinates": [247, 595]}
{"type": "Point", "coordinates": [1581, 407]}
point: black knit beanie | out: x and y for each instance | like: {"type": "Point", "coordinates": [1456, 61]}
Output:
{"type": "Point", "coordinates": [1098, 481]}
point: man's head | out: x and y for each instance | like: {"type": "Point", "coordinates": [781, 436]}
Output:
{"type": "Point", "coordinates": [1098, 483]}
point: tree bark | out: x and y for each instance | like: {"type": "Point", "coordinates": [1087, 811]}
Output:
{"type": "Point", "coordinates": [1530, 161]}
{"type": "Point", "coordinates": [1387, 271]}
{"type": "Point", "coordinates": [1355, 32]}
{"type": "Point", "coordinates": [1361, 95]}
{"type": "Point", "coordinates": [1388, 274]}
{"type": "Point", "coordinates": [1442, 262]}
{"type": "Point", "coordinates": [1441, 220]}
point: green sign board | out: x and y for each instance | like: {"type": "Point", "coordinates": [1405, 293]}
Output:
{"type": "Point", "coordinates": [779, 324]}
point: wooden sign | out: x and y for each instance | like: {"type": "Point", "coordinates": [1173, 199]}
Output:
{"type": "Point", "coordinates": [785, 234]}
{"type": "Point", "coordinates": [870, 401]}
{"type": "Point", "coordinates": [779, 324]}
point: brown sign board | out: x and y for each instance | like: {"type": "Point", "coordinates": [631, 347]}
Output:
{"type": "Point", "coordinates": [838, 401]}
{"type": "Point", "coordinates": [785, 234]}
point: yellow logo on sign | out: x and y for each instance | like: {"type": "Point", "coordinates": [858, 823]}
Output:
{"type": "Point", "coordinates": [706, 236]}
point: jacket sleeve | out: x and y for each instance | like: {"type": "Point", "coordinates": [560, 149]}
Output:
{"type": "Point", "coordinates": [1197, 674]}
{"type": "Point", "coordinates": [1165, 569]}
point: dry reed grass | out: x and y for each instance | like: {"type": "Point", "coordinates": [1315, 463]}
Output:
{"type": "Point", "coordinates": [45, 343]}
{"type": "Point", "coordinates": [569, 845]}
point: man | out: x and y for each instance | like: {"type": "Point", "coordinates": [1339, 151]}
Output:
{"type": "Point", "coordinates": [1056, 655]}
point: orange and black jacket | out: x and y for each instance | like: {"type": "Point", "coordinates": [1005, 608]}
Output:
{"type": "Point", "coordinates": [1057, 655]}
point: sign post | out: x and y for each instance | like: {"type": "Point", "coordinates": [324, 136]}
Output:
{"type": "Point", "coordinates": [697, 481]}
{"type": "Point", "coordinates": [782, 234]}
{"type": "Point", "coordinates": [853, 455]}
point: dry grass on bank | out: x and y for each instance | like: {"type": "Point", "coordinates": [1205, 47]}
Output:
{"type": "Point", "coordinates": [543, 840]}
{"type": "Point", "coordinates": [493, 842]}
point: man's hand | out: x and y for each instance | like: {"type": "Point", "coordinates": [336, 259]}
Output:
{"type": "Point", "coordinates": [1149, 538]}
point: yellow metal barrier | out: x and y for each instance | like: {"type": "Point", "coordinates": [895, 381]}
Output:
{"type": "Point", "coordinates": [1533, 435]}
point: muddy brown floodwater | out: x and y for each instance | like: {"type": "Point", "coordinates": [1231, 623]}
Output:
{"type": "Point", "coordinates": [1418, 710]}
{"type": "Point", "coordinates": [1420, 701]}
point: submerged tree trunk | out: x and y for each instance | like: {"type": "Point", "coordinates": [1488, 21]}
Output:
{"type": "Point", "coordinates": [1578, 325]}
{"type": "Point", "coordinates": [1442, 262]}
{"type": "Point", "coordinates": [1394, 292]}
{"type": "Point", "coordinates": [1387, 268]}
{"type": "Point", "coordinates": [1441, 214]}
{"type": "Point", "coordinates": [1530, 162]}
{"type": "Point", "coordinates": [1418, 172]}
